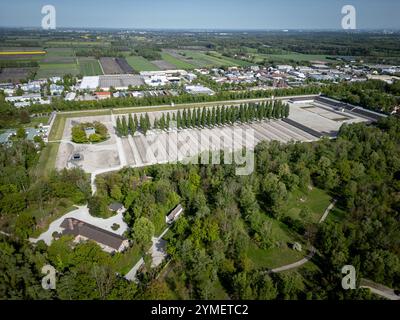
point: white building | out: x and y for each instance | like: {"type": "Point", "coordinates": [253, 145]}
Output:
{"type": "Point", "coordinates": [198, 89]}
{"type": "Point", "coordinates": [70, 96]}
{"type": "Point", "coordinates": [284, 68]}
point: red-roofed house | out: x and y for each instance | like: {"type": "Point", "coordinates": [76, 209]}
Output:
{"type": "Point", "coordinates": [103, 95]}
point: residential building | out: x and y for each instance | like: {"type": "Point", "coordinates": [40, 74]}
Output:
{"type": "Point", "coordinates": [82, 231]}
{"type": "Point", "coordinates": [174, 214]}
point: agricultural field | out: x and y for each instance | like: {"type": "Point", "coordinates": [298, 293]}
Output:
{"type": "Point", "coordinates": [21, 53]}
{"type": "Point", "coordinates": [56, 69]}
{"type": "Point", "coordinates": [15, 74]}
{"type": "Point", "coordinates": [59, 55]}
{"type": "Point", "coordinates": [115, 66]}
{"type": "Point", "coordinates": [58, 62]}
{"type": "Point", "coordinates": [124, 65]}
{"type": "Point", "coordinates": [201, 59]}
{"type": "Point", "coordinates": [164, 65]}
{"type": "Point", "coordinates": [139, 64]}
{"type": "Point", "coordinates": [89, 66]}
{"type": "Point", "coordinates": [180, 64]}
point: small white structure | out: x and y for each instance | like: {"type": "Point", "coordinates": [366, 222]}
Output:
{"type": "Point", "coordinates": [70, 96]}
{"type": "Point", "coordinates": [198, 89]}
{"type": "Point", "coordinates": [174, 215]}
{"type": "Point", "coordinates": [89, 131]}
{"type": "Point", "coordinates": [297, 246]}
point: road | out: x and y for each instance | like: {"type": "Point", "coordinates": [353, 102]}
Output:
{"type": "Point", "coordinates": [379, 289]}
{"type": "Point", "coordinates": [325, 215]}
{"type": "Point", "coordinates": [158, 254]}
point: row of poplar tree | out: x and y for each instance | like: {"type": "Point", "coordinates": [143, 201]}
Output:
{"type": "Point", "coordinates": [205, 117]}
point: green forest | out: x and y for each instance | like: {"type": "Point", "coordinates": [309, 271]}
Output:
{"type": "Point", "coordinates": [229, 221]}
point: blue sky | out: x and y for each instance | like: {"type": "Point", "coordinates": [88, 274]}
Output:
{"type": "Point", "coordinates": [202, 14]}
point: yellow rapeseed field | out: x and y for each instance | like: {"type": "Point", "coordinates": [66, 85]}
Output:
{"type": "Point", "coordinates": [3, 53]}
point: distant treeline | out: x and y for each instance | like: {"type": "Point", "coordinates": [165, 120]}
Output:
{"type": "Point", "coordinates": [61, 105]}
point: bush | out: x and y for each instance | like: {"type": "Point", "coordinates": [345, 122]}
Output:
{"type": "Point", "coordinates": [95, 137]}
{"type": "Point", "coordinates": [79, 134]}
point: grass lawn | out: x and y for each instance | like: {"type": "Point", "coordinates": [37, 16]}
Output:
{"type": "Point", "coordinates": [180, 64]}
{"type": "Point", "coordinates": [336, 215]}
{"type": "Point", "coordinates": [57, 129]}
{"type": "Point", "coordinates": [279, 255]}
{"type": "Point", "coordinates": [316, 200]}
{"type": "Point", "coordinates": [47, 160]}
{"type": "Point", "coordinates": [89, 67]}
{"type": "Point", "coordinates": [123, 262]}
{"type": "Point", "coordinates": [140, 64]}
{"type": "Point", "coordinates": [274, 257]}
{"type": "Point", "coordinates": [36, 121]}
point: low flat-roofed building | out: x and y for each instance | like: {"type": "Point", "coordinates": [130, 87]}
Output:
{"type": "Point", "coordinates": [197, 89]}
{"type": "Point", "coordinates": [89, 83]}
{"type": "Point", "coordinates": [120, 81]}
{"type": "Point", "coordinates": [24, 98]}
{"type": "Point", "coordinates": [82, 231]}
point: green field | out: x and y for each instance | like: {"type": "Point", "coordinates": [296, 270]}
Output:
{"type": "Point", "coordinates": [60, 52]}
{"type": "Point", "coordinates": [316, 200]}
{"type": "Point", "coordinates": [47, 160]}
{"type": "Point", "coordinates": [58, 62]}
{"type": "Point", "coordinates": [89, 67]}
{"type": "Point", "coordinates": [274, 257]}
{"type": "Point", "coordinates": [123, 262]}
{"type": "Point", "coordinates": [140, 64]}
{"type": "Point", "coordinates": [180, 64]}
{"type": "Point", "coordinates": [47, 70]}
{"type": "Point", "coordinates": [202, 60]}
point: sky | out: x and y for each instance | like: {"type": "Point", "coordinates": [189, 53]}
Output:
{"type": "Point", "coordinates": [202, 14]}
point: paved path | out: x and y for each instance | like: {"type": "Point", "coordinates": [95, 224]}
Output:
{"type": "Point", "coordinates": [5, 233]}
{"type": "Point", "coordinates": [295, 264]}
{"type": "Point", "coordinates": [82, 213]}
{"type": "Point", "coordinates": [379, 289]}
{"type": "Point", "coordinates": [158, 254]}
{"type": "Point", "coordinates": [325, 215]}
{"type": "Point", "coordinates": [312, 251]}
